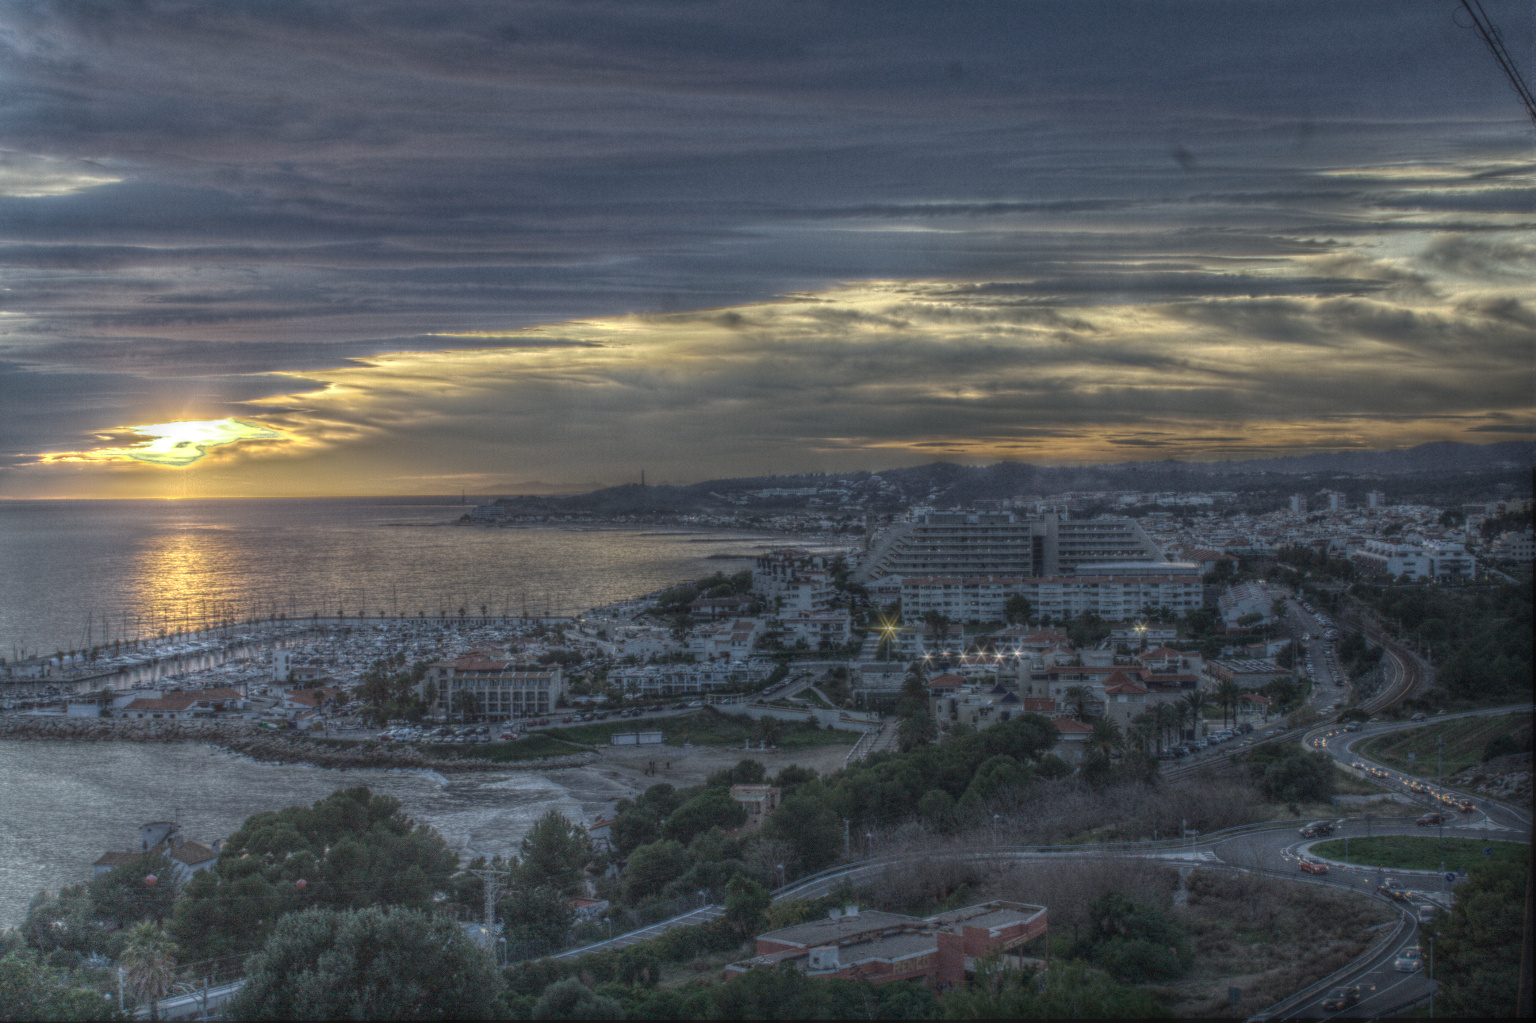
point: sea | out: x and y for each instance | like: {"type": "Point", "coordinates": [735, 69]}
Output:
{"type": "Point", "coordinates": [75, 574]}
{"type": "Point", "coordinates": [79, 573]}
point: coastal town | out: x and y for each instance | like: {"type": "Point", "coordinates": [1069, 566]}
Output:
{"type": "Point", "coordinates": [1117, 636]}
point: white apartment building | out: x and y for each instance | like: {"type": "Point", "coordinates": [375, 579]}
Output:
{"type": "Point", "coordinates": [1441, 562]}
{"type": "Point", "coordinates": [817, 629]}
{"type": "Point", "coordinates": [1001, 543]}
{"type": "Point", "coordinates": [793, 580]}
{"type": "Point", "coordinates": [1514, 546]}
{"type": "Point", "coordinates": [683, 679]}
{"type": "Point", "coordinates": [486, 688]}
{"type": "Point", "coordinates": [730, 640]}
{"type": "Point", "coordinates": [1114, 597]}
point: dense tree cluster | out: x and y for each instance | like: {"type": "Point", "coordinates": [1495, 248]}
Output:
{"type": "Point", "coordinates": [887, 787]}
{"type": "Point", "coordinates": [348, 851]}
{"type": "Point", "coordinates": [1284, 772]}
{"type": "Point", "coordinates": [325, 964]}
{"type": "Point", "coordinates": [1477, 944]}
{"type": "Point", "coordinates": [1133, 942]}
{"type": "Point", "coordinates": [1480, 636]}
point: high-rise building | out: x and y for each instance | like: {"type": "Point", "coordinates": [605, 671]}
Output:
{"type": "Point", "coordinates": [1298, 504]}
{"type": "Point", "coordinates": [1375, 499]}
{"type": "Point", "coordinates": [1001, 543]}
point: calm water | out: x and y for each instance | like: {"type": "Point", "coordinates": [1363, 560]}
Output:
{"type": "Point", "coordinates": [62, 804]}
{"type": "Point", "coordinates": [72, 570]}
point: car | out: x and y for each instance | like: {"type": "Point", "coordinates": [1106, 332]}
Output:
{"type": "Point", "coordinates": [1392, 890]}
{"type": "Point", "coordinates": [1313, 867]}
{"type": "Point", "coordinates": [1341, 998]}
{"type": "Point", "coordinates": [1353, 726]}
{"type": "Point", "coordinates": [1317, 829]}
{"type": "Point", "coordinates": [1201, 744]}
{"type": "Point", "coordinates": [1409, 960]}
{"type": "Point", "coordinates": [1418, 717]}
{"type": "Point", "coordinates": [1429, 820]}
{"type": "Point", "coordinates": [1426, 913]}
{"type": "Point", "coordinates": [695, 703]}
{"type": "Point", "coordinates": [1466, 806]}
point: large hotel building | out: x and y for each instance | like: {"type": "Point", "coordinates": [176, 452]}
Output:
{"type": "Point", "coordinates": [967, 564]}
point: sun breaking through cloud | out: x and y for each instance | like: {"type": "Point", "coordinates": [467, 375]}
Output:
{"type": "Point", "coordinates": [174, 445]}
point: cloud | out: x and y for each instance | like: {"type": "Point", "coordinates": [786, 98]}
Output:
{"type": "Point", "coordinates": [739, 239]}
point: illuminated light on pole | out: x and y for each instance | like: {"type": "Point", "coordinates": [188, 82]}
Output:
{"type": "Point", "coordinates": [151, 880]}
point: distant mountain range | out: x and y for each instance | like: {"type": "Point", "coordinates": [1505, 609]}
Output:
{"type": "Point", "coordinates": [1443, 469]}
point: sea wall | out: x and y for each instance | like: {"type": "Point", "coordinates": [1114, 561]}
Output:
{"type": "Point", "coordinates": [265, 744]}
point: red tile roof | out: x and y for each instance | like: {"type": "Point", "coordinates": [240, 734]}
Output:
{"type": "Point", "coordinates": [1120, 684]}
{"type": "Point", "coordinates": [1068, 726]}
{"type": "Point", "coordinates": [945, 681]}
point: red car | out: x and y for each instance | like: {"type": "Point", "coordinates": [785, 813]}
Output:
{"type": "Point", "coordinates": [1313, 867]}
{"type": "Point", "coordinates": [1430, 820]}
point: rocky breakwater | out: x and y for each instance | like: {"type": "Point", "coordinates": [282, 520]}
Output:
{"type": "Point", "coordinates": [270, 746]}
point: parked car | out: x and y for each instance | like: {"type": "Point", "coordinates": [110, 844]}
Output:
{"type": "Point", "coordinates": [1317, 829]}
{"type": "Point", "coordinates": [1341, 998]}
{"type": "Point", "coordinates": [1313, 867]}
{"type": "Point", "coordinates": [1430, 820]}
{"type": "Point", "coordinates": [1409, 960]}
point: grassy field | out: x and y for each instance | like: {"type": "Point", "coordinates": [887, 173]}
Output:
{"type": "Point", "coordinates": [1404, 852]}
{"type": "Point", "coordinates": [1464, 742]}
{"type": "Point", "coordinates": [707, 727]}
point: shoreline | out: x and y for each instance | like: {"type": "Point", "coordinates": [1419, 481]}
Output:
{"type": "Point", "coordinates": [267, 746]}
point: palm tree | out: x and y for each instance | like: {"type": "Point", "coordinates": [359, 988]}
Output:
{"type": "Point", "coordinates": [1228, 692]}
{"type": "Point", "coordinates": [1166, 718]}
{"type": "Point", "coordinates": [1144, 731]}
{"type": "Point", "coordinates": [1105, 735]}
{"type": "Point", "coordinates": [1180, 715]}
{"type": "Point", "coordinates": [1195, 704]}
{"type": "Point", "coordinates": [149, 960]}
{"type": "Point", "coordinates": [1078, 696]}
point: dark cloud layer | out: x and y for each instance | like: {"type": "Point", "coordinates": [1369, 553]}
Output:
{"type": "Point", "coordinates": [214, 194]}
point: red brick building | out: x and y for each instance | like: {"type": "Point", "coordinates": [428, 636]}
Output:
{"type": "Point", "coordinates": [886, 947]}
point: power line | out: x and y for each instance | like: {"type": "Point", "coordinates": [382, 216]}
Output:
{"type": "Point", "coordinates": [1490, 33]}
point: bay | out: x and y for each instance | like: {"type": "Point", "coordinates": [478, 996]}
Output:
{"type": "Point", "coordinates": [75, 573]}
{"type": "Point", "coordinates": [78, 573]}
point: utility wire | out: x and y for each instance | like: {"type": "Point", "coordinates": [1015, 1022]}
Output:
{"type": "Point", "coordinates": [1490, 33]}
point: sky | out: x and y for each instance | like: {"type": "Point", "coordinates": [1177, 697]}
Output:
{"type": "Point", "coordinates": [338, 248]}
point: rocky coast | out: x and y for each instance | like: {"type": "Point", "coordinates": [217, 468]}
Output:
{"type": "Point", "coordinates": [270, 746]}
